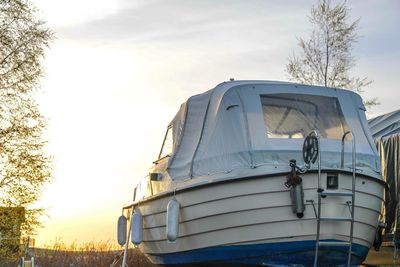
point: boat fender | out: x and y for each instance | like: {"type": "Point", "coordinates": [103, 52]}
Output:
{"type": "Point", "coordinates": [297, 194]}
{"type": "Point", "coordinates": [137, 227]}
{"type": "Point", "coordinates": [172, 220]}
{"type": "Point", "coordinates": [295, 183]}
{"type": "Point", "coordinates": [122, 222]}
{"type": "Point", "coordinates": [378, 237]}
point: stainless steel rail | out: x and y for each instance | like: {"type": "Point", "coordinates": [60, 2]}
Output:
{"type": "Point", "coordinates": [323, 193]}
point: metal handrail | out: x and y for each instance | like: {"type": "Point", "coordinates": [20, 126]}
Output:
{"type": "Point", "coordinates": [342, 152]}
{"type": "Point", "coordinates": [353, 187]}
{"type": "Point", "coordinates": [317, 135]}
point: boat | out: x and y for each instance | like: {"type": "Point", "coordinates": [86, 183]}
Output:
{"type": "Point", "coordinates": [260, 173]}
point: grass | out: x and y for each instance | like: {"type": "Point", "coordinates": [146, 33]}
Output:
{"type": "Point", "coordinates": [86, 255]}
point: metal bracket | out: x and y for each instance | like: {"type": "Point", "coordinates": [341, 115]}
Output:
{"type": "Point", "coordinates": [348, 205]}
{"type": "Point", "coordinates": [312, 203]}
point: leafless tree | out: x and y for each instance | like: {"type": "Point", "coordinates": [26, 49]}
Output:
{"type": "Point", "coordinates": [325, 58]}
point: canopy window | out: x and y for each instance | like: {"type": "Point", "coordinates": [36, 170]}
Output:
{"type": "Point", "coordinates": [167, 147]}
{"type": "Point", "coordinates": [296, 115]}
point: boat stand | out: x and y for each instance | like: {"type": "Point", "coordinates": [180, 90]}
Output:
{"type": "Point", "coordinates": [124, 253]}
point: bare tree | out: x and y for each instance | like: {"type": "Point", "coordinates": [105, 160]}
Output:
{"type": "Point", "coordinates": [24, 167]}
{"type": "Point", "coordinates": [325, 58]}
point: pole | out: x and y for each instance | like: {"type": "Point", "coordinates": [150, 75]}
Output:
{"type": "Point", "coordinates": [127, 241]}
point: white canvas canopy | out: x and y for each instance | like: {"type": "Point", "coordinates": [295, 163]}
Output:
{"type": "Point", "coordinates": [385, 125]}
{"type": "Point", "coordinates": [247, 124]}
{"type": "Point", "coordinates": [386, 132]}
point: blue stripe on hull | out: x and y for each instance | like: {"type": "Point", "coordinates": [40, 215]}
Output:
{"type": "Point", "coordinates": [299, 253]}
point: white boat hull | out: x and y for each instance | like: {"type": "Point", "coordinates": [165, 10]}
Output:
{"type": "Point", "coordinates": [252, 218]}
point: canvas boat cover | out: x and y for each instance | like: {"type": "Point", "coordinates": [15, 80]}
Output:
{"type": "Point", "coordinates": [385, 125]}
{"type": "Point", "coordinates": [386, 132]}
{"type": "Point", "coordinates": [247, 124]}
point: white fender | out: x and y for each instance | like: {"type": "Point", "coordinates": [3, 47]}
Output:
{"type": "Point", "coordinates": [173, 220]}
{"type": "Point", "coordinates": [122, 230]}
{"type": "Point", "coordinates": [137, 227]}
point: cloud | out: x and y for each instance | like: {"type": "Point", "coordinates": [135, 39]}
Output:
{"type": "Point", "coordinates": [74, 12]}
{"type": "Point", "coordinates": [180, 20]}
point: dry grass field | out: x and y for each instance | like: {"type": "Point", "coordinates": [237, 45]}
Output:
{"type": "Point", "coordinates": [59, 258]}
{"type": "Point", "coordinates": [86, 255]}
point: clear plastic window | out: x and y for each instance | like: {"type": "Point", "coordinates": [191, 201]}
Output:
{"type": "Point", "coordinates": [296, 115]}
{"type": "Point", "coordinates": [167, 146]}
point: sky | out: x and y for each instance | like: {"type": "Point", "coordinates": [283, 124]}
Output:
{"type": "Point", "coordinates": [118, 71]}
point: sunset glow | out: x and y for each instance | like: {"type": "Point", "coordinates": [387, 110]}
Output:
{"type": "Point", "coordinates": [118, 71]}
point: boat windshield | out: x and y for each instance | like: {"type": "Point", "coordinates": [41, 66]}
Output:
{"type": "Point", "coordinates": [167, 146]}
{"type": "Point", "coordinates": [296, 115]}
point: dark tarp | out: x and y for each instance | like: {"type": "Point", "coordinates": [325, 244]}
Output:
{"type": "Point", "coordinates": [386, 133]}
